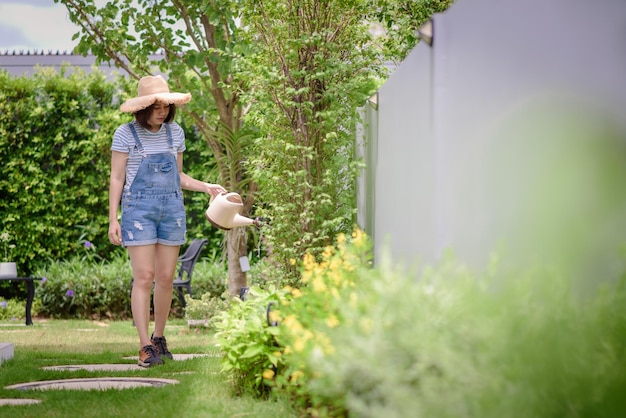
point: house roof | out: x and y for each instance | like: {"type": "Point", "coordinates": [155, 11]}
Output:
{"type": "Point", "coordinates": [22, 62]}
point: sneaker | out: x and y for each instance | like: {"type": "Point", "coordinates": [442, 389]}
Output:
{"type": "Point", "coordinates": [161, 346]}
{"type": "Point", "coordinates": [148, 356]}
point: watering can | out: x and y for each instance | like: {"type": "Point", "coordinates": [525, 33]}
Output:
{"type": "Point", "coordinates": [224, 212]}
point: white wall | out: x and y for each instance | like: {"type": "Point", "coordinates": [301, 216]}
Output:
{"type": "Point", "coordinates": [496, 137]}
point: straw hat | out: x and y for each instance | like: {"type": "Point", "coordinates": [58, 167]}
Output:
{"type": "Point", "coordinates": [153, 89]}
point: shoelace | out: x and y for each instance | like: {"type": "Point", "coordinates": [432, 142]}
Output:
{"type": "Point", "coordinates": [151, 351]}
{"type": "Point", "coordinates": [161, 344]}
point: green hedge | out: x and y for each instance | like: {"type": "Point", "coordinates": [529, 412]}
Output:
{"type": "Point", "coordinates": [84, 288]}
{"type": "Point", "coordinates": [55, 136]}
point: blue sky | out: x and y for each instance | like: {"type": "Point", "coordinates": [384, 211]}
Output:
{"type": "Point", "coordinates": [35, 25]}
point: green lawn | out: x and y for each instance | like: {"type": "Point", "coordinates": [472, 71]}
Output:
{"type": "Point", "coordinates": [201, 392]}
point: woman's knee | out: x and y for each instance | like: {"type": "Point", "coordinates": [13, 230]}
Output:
{"type": "Point", "coordinates": [143, 279]}
{"type": "Point", "coordinates": [164, 282]}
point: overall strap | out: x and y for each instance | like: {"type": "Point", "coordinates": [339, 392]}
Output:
{"type": "Point", "coordinates": [137, 141]}
{"type": "Point", "coordinates": [170, 141]}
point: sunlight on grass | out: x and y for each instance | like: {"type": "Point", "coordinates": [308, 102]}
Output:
{"type": "Point", "coordinates": [201, 391]}
{"type": "Point", "coordinates": [95, 336]}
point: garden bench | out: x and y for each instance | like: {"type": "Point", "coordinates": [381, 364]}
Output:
{"type": "Point", "coordinates": [30, 286]}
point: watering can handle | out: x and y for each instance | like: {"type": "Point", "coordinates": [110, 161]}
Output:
{"type": "Point", "coordinates": [213, 197]}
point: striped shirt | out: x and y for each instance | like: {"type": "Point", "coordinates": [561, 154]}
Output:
{"type": "Point", "coordinates": [153, 143]}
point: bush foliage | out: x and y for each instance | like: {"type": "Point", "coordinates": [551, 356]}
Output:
{"type": "Point", "coordinates": [250, 348]}
{"type": "Point", "coordinates": [315, 65]}
{"type": "Point", "coordinates": [56, 130]}
{"type": "Point", "coordinates": [55, 134]}
{"type": "Point", "coordinates": [12, 310]}
{"type": "Point", "coordinates": [86, 288]}
{"type": "Point", "coordinates": [369, 342]}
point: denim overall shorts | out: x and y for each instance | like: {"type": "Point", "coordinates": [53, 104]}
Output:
{"type": "Point", "coordinates": [153, 210]}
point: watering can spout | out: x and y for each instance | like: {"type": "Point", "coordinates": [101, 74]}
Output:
{"type": "Point", "coordinates": [224, 212]}
{"type": "Point", "coordinates": [239, 220]}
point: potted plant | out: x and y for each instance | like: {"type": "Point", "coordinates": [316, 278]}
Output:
{"type": "Point", "coordinates": [8, 269]}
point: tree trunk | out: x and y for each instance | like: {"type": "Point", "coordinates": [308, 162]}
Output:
{"type": "Point", "coordinates": [237, 240]}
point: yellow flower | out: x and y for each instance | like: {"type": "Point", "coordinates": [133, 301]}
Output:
{"type": "Point", "coordinates": [296, 375]}
{"type": "Point", "coordinates": [309, 261]}
{"type": "Point", "coordinates": [366, 324]}
{"type": "Point", "coordinates": [335, 265]}
{"type": "Point", "coordinates": [341, 238]}
{"type": "Point", "coordinates": [292, 324]}
{"type": "Point", "coordinates": [353, 300]}
{"type": "Point", "coordinates": [268, 374]}
{"type": "Point", "coordinates": [323, 347]}
{"type": "Point", "coordinates": [292, 261]}
{"type": "Point", "coordinates": [359, 237]}
{"type": "Point", "coordinates": [332, 321]}
{"type": "Point", "coordinates": [296, 293]}
{"type": "Point", "coordinates": [336, 277]}
{"type": "Point", "coordinates": [298, 345]}
{"type": "Point", "coordinates": [318, 285]}
{"type": "Point", "coordinates": [329, 349]}
{"type": "Point", "coordinates": [274, 316]}
{"type": "Point", "coordinates": [328, 252]}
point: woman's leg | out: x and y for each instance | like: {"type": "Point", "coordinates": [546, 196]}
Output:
{"type": "Point", "coordinates": [165, 267]}
{"type": "Point", "coordinates": [142, 261]}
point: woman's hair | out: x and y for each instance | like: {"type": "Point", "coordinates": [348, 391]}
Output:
{"type": "Point", "coordinates": [141, 116]}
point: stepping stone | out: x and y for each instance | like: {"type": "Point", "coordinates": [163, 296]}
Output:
{"type": "Point", "coordinates": [177, 357]}
{"type": "Point", "coordinates": [6, 352]}
{"type": "Point", "coordinates": [96, 383]}
{"type": "Point", "coordinates": [118, 367]}
{"type": "Point", "coordinates": [96, 367]}
{"type": "Point", "coordinates": [19, 401]}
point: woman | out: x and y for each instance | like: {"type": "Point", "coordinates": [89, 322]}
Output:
{"type": "Point", "coordinates": [147, 177]}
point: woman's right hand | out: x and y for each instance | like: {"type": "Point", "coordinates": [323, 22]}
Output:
{"type": "Point", "coordinates": [115, 233]}
{"type": "Point", "coordinates": [214, 189]}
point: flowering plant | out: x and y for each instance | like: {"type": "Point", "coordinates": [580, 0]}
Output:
{"type": "Point", "coordinates": [5, 237]}
{"type": "Point", "coordinates": [206, 307]}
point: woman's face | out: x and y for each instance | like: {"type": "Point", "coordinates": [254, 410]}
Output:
{"type": "Point", "coordinates": [158, 115]}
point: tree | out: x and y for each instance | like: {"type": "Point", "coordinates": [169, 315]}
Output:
{"type": "Point", "coordinates": [295, 70]}
{"type": "Point", "coordinates": [400, 20]}
{"type": "Point", "coordinates": [317, 62]}
{"type": "Point", "coordinates": [317, 65]}
{"type": "Point", "coordinates": [197, 45]}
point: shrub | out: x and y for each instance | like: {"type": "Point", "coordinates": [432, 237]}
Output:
{"type": "Point", "coordinates": [454, 343]}
{"type": "Point", "coordinates": [206, 307]}
{"type": "Point", "coordinates": [265, 274]}
{"type": "Point", "coordinates": [12, 309]}
{"type": "Point", "coordinates": [209, 277]}
{"type": "Point", "coordinates": [309, 317]}
{"type": "Point", "coordinates": [259, 355]}
{"type": "Point", "coordinates": [84, 288]}
{"type": "Point", "coordinates": [251, 353]}
{"type": "Point", "coordinates": [442, 341]}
